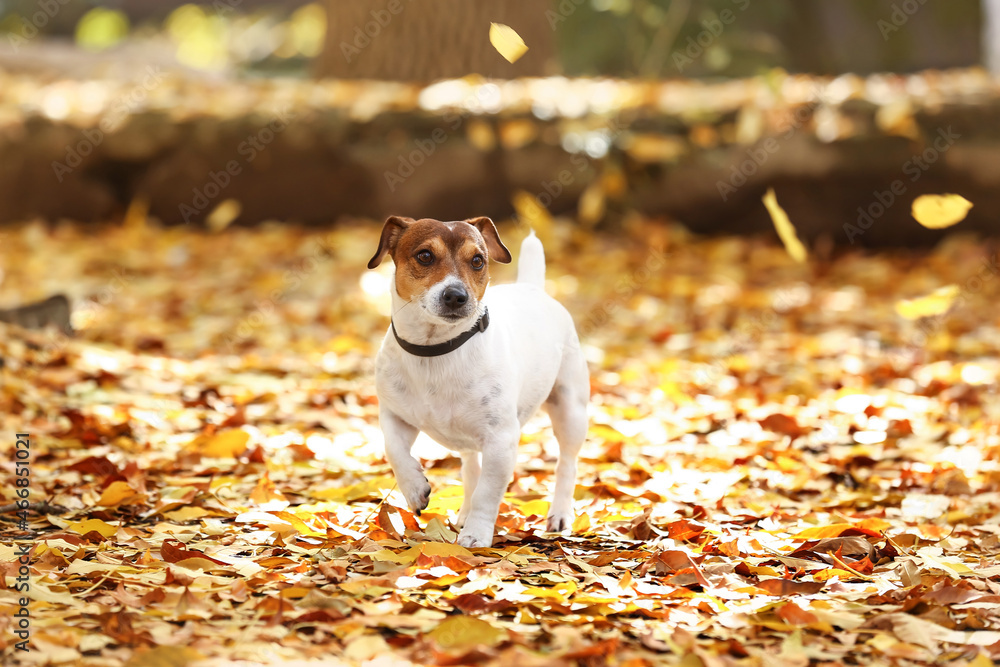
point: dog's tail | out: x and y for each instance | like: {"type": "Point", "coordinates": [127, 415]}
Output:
{"type": "Point", "coordinates": [531, 263]}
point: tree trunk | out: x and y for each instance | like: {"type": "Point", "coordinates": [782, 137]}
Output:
{"type": "Point", "coordinates": [425, 40]}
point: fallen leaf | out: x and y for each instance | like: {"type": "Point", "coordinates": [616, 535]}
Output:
{"type": "Point", "coordinates": [96, 525]}
{"type": "Point", "coordinates": [118, 493]}
{"type": "Point", "coordinates": [466, 632]}
{"type": "Point", "coordinates": [225, 444]}
{"type": "Point", "coordinates": [786, 587]}
{"type": "Point", "coordinates": [936, 303]}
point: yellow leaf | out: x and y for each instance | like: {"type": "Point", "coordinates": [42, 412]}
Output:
{"type": "Point", "coordinates": [265, 491]}
{"type": "Point", "coordinates": [581, 524]}
{"type": "Point", "coordinates": [607, 433]}
{"type": "Point", "coordinates": [981, 660]}
{"type": "Point", "coordinates": [560, 592]}
{"type": "Point", "coordinates": [372, 488]}
{"type": "Point", "coordinates": [223, 215]}
{"type": "Point", "coordinates": [936, 303]}
{"type": "Point", "coordinates": [785, 228]}
{"type": "Point", "coordinates": [532, 212]}
{"type": "Point", "coordinates": [825, 575]}
{"type": "Point", "coordinates": [118, 493]}
{"type": "Point", "coordinates": [100, 29]}
{"type": "Point", "coordinates": [653, 148]}
{"type": "Point", "coordinates": [137, 213]}
{"type": "Point", "coordinates": [940, 211]}
{"type": "Point", "coordinates": [507, 42]}
{"type": "Point", "coordinates": [223, 445]}
{"type": "Point", "coordinates": [591, 207]}
{"type": "Point", "coordinates": [187, 513]}
{"type": "Point", "coordinates": [466, 632]}
{"type": "Point", "coordinates": [164, 656]}
{"type": "Point", "coordinates": [84, 527]}
{"type": "Point", "coordinates": [537, 507]}
{"type": "Point", "coordinates": [442, 549]}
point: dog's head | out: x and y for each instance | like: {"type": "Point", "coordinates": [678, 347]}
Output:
{"type": "Point", "coordinates": [443, 266]}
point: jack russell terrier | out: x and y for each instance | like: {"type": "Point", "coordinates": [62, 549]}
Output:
{"type": "Point", "coordinates": [470, 368]}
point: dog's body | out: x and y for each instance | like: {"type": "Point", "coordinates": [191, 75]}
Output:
{"type": "Point", "coordinates": [475, 398]}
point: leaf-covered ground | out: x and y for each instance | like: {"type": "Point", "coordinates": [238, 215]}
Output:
{"type": "Point", "coordinates": [781, 470]}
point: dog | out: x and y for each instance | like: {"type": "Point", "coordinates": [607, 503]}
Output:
{"type": "Point", "coordinates": [469, 366]}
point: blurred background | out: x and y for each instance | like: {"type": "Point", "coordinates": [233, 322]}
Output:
{"type": "Point", "coordinates": [687, 109]}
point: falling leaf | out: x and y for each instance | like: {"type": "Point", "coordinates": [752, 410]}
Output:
{"type": "Point", "coordinates": [507, 42]}
{"type": "Point", "coordinates": [532, 212]}
{"type": "Point", "coordinates": [940, 211]}
{"type": "Point", "coordinates": [223, 215]}
{"type": "Point", "coordinates": [936, 303]}
{"type": "Point", "coordinates": [784, 227]}
{"type": "Point", "coordinates": [137, 213]}
{"type": "Point", "coordinates": [592, 203]}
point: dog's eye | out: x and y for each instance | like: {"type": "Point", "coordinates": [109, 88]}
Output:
{"type": "Point", "coordinates": [478, 262]}
{"type": "Point", "coordinates": [425, 257]}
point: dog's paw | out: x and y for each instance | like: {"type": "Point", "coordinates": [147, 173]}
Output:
{"type": "Point", "coordinates": [472, 538]}
{"type": "Point", "coordinates": [417, 492]}
{"type": "Point", "coordinates": [558, 522]}
{"type": "Point", "coordinates": [463, 515]}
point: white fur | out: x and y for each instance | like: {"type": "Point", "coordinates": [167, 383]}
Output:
{"type": "Point", "coordinates": [476, 399]}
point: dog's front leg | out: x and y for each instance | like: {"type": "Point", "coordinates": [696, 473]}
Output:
{"type": "Point", "coordinates": [471, 469]}
{"type": "Point", "coordinates": [499, 457]}
{"type": "Point", "coordinates": [399, 438]}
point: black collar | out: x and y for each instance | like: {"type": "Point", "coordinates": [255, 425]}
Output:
{"type": "Point", "coordinates": [448, 345]}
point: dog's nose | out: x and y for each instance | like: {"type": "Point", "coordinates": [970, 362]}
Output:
{"type": "Point", "coordinates": [455, 297]}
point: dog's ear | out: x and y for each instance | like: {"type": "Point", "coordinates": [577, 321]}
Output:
{"type": "Point", "coordinates": [391, 231]}
{"type": "Point", "coordinates": [498, 251]}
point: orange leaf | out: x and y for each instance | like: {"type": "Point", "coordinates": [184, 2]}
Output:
{"type": "Point", "coordinates": [265, 491]}
{"type": "Point", "coordinates": [119, 493]}
{"type": "Point", "coordinates": [783, 587]}
{"type": "Point", "coordinates": [793, 614]}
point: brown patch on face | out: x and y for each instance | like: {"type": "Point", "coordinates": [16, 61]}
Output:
{"type": "Point", "coordinates": [453, 246]}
